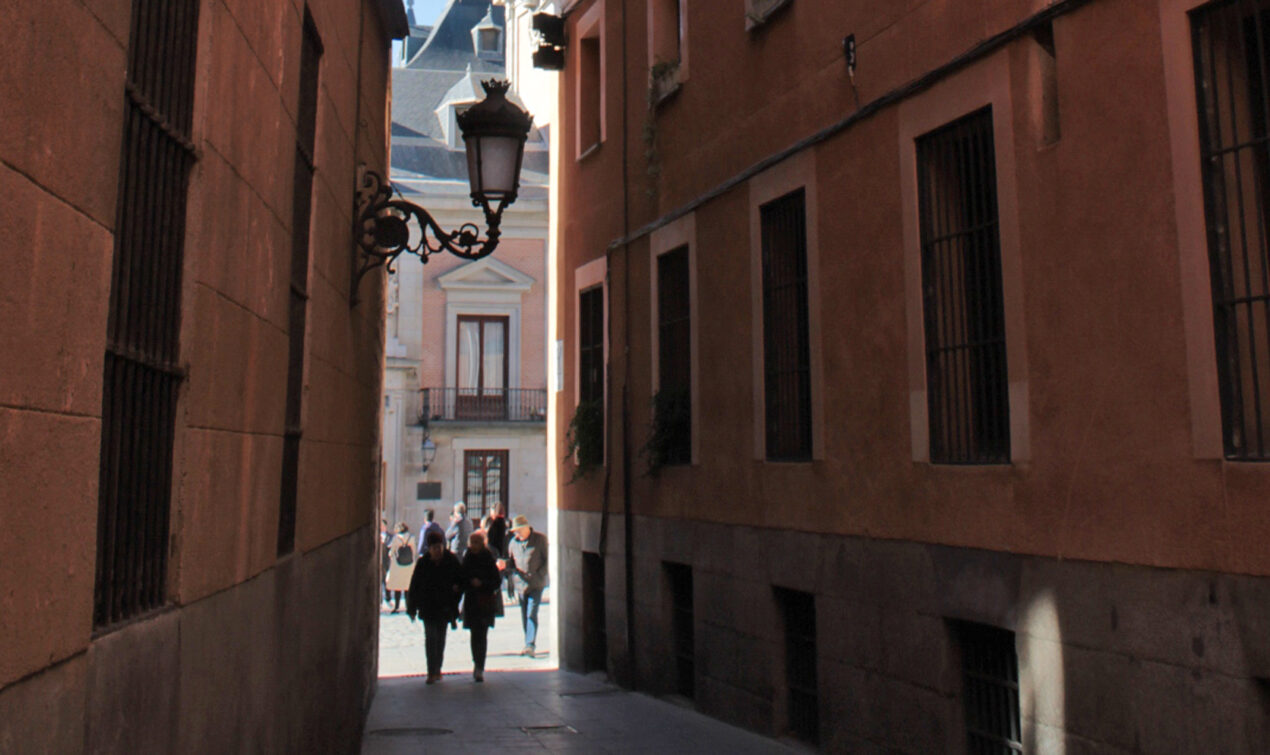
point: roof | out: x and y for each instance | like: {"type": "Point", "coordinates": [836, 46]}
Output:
{"type": "Point", "coordinates": [450, 46]}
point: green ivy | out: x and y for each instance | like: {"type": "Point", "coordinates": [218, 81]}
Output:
{"type": "Point", "coordinates": [584, 441]}
{"type": "Point", "coordinates": [670, 437]}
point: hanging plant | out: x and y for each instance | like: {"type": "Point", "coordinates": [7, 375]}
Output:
{"type": "Point", "coordinates": [584, 441]}
{"type": "Point", "coordinates": [670, 436]}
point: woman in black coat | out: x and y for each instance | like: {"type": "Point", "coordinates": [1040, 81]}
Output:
{"type": "Point", "coordinates": [434, 594]}
{"type": "Point", "coordinates": [480, 598]}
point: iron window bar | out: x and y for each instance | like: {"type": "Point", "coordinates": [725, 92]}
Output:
{"type": "Point", "coordinates": [786, 333]}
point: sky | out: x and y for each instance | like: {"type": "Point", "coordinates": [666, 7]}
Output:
{"type": "Point", "coordinates": [426, 11]}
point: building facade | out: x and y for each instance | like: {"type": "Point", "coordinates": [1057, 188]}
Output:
{"type": "Point", "coordinates": [465, 362]}
{"type": "Point", "coordinates": [189, 423]}
{"type": "Point", "coordinates": [914, 365]}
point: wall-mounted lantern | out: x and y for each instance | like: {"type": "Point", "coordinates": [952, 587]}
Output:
{"type": "Point", "coordinates": [429, 452]}
{"type": "Point", "coordinates": [494, 132]}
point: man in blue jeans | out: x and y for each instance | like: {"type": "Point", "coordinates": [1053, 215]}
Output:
{"type": "Point", "coordinates": [526, 564]}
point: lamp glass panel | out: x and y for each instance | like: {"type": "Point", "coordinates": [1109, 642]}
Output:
{"type": "Point", "coordinates": [498, 158]}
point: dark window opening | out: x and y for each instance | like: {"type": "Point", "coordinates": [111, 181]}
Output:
{"type": "Point", "coordinates": [962, 300]}
{"type": "Point", "coordinates": [786, 339]}
{"type": "Point", "coordinates": [673, 403]}
{"type": "Point", "coordinates": [798, 611]}
{"type": "Point", "coordinates": [489, 39]}
{"type": "Point", "coordinates": [679, 577]}
{"type": "Point", "coordinates": [590, 93]}
{"type": "Point", "coordinates": [1232, 71]}
{"type": "Point", "coordinates": [990, 674]}
{"type": "Point", "coordinates": [301, 213]}
{"type": "Point", "coordinates": [591, 365]}
{"type": "Point", "coordinates": [595, 647]}
{"type": "Point", "coordinates": [142, 376]}
{"type": "Point", "coordinates": [485, 478]}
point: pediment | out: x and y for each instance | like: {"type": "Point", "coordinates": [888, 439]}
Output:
{"type": "Point", "coordinates": [487, 274]}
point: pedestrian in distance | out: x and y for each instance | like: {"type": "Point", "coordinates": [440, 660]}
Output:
{"type": "Point", "coordinates": [481, 599]}
{"type": "Point", "coordinates": [460, 529]}
{"type": "Point", "coordinates": [385, 558]}
{"type": "Point", "coordinates": [430, 526]}
{"type": "Point", "coordinates": [401, 564]}
{"type": "Point", "coordinates": [496, 531]}
{"type": "Point", "coordinates": [526, 563]}
{"type": "Point", "coordinates": [434, 595]}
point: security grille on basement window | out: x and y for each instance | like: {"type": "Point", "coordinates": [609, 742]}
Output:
{"type": "Point", "coordinates": [142, 374]}
{"type": "Point", "coordinates": [966, 384]}
{"type": "Point", "coordinates": [786, 344]}
{"type": "Point", "coordinates": [1232, 71]}
{"type": "Point", "coordinates": [798, 609]}
{"type": "Point", "coordinates": [595, 644]}
{"type": "Point", "coordinates": [990, 672]}
{"type": "Point", "coordinates": [673, 403]}
{"type": "Point", "coordinates": [682, 627]}
{"type": "Point", "coordinates": [301, 211]}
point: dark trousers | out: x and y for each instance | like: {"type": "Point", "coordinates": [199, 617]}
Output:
{"type": "Point", "coordinates": [480, 641]}
{"type": "Point", "coordinates": [434, 643]}
{"type": "Point", "coordinates": [396, 598]}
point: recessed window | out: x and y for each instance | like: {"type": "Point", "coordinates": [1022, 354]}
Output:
{"type": "Point", "coordinates": [589, 92]}
{"type": "Point", "coordinates": [488, 40]}
{"type": "Point", "coordinates": [142, 374]}
{"type": "Point", "coordinates": [786, 339]}
{"type": "Point", "coordinates": [798, 614]}
{"type": "Point", "coordinates": [672, 404]}
{"type": "Point", "coordinates": [1232, 56]}
{"type": "Point", "coordinates": [481, 392]}
{"type": "Point", "coordinates": [990, 689]}
{"type": "Point", "coordinates": [595, 647]}
{"type": "Point", "coordinates": [485, 475]}
{"type": "Point", "coordinates": [665, 28]}
{"type": "Point", "coordinates": [682, 630]}
{"type": "Point", "coordinates": [591, 367]}
{"type": "Point", "coordinates": [962, 301]}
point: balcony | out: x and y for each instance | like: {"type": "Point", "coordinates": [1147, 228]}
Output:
{"type": "Point", "coordinates": [482, 405]}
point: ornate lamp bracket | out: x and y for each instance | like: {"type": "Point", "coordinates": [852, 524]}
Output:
{"type": "Point", "coordinates": [387, 227]}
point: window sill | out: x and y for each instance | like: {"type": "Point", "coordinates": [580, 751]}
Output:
{"type": "Point", "coordinates": [584, 154]}
{"type": "Point", "coordinates": [758, 12]}
{"type": "Point", "coordinates": [663, 87]}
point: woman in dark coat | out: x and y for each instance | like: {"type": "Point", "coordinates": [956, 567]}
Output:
{"type": "Point", "coordinates": [434, 594]}
{"type": "Point", "coordinates": [480, 598]}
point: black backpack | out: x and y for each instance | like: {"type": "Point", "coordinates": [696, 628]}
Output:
{"type": "Point", "coordinates": [405, 555]}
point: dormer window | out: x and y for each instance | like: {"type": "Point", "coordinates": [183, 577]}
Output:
{"type": "Point", "coordinates": [487, 38]}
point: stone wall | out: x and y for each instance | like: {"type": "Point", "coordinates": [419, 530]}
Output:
{"type": "Point", "coordinates": [1112, 658]}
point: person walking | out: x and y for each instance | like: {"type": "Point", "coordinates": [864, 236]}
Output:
{"type": "Point", "coordinates": [430, 526]}
{"type": "Point", "coordinates": [434, 598]}
{"type": "Point", "coordinates": [401, 564]}
{"type": "Point", "coordinates": [385, 558]}
{"type": "Point", "coordinates": [496, 531]}
{"type": "Point", "coordinates": [481, 601]}
{"type": "Point", "coordinates": [460, 529]}
{"type": "Point", "coordinates": [527, 562]}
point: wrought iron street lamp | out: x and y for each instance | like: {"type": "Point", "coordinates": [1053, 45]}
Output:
{"type": "Point", "coordinates": [429, 452]}
{"type": "Point", "coordinates": [494, 132]}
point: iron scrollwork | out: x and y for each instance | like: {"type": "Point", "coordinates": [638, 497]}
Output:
{"type": "Point", "coordinates": [384, 229]}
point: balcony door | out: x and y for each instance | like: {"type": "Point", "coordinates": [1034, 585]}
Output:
{"type": "Point", "coordinates": [482, 375]}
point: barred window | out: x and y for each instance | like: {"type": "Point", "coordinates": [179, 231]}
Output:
{"type": "Point", "coordinates": [990, 675]}
{"type": "Point", "coordinates": [485, 475]}
{"type": "Point", "coordinates": [301, 212]}
{"type": "Point", "coordinates": [786, 340]}
{"type": "Point", "coordinates": [798, 611]}
{"type": "Point", "coordinates": [683, 627]}
{"type": "Point", "coordinates": [962, 298]}
{"type": "Point", "coordinates": [1232, 70]}
{"type": "Point", "coordinates": [142, 374]}
{"type": "Point", "coordinates": [673, 403]}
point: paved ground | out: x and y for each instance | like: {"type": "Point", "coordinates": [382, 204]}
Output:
{"type": "Point", "coordinates": [525, 704]}
{"type": "Point", "coordinates": [401, 645]}
{"type": "Point", "coordinates": [541, 711]}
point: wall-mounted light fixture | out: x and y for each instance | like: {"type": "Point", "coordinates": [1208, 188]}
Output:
{"type": "Point", "coordinates": [429, 452]}
{"type": "Point", "coordinates": [494, 132]}
{"type": "Point", "coordinates": [550, 32]}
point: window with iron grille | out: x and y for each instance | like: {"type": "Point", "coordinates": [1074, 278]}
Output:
{"type": "Point", "coordinates": [302, 193]}
{"type": "Point", "coordinates": [485, 476]}
{"type": "Point", "coordinates": [679, 576]}
{"type": "Point", "coordinates": [962, 300]}
{"type": "Point", "coordinates": [1232, 69]}
{"type": "Point", "coordinates": [990, 674]}
{"type": "Point", "coordinates": [594, 630]}
{"type": "Point", "coordinates": [591, 367]}
{"type": "Point", "coordinates": [786, 341]}
{"type": "Point", "coordinates": [142, 375]}
{"type": "Point", "coordinates": [673, 403]}
{"type": "Point", "coordinates": [798, 611]}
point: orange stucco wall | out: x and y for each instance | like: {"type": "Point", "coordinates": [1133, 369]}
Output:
{"type": "Point", "coordinates": [1102, 372]}
{"type": "Point", "coordinates": [59, 155]}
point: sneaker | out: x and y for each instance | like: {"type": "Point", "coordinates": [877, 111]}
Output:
{"type": "Point", "coordinates": [478, 675]}
{"type": "Point", "coordinates": [528, 651]}
{"type": "Point", "coordinates": [432, 679]}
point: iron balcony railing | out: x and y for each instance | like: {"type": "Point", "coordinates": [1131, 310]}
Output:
{"type": "Point", "coordinates": [482, 405]}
